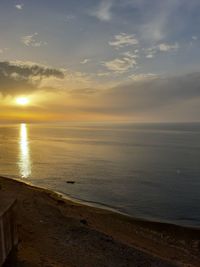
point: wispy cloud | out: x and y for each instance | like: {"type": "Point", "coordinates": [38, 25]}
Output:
{"type": "Point", "coordinates": [167, 47]}
{"type": "Point", "coordinates": [194, 38]}
{"type": "Point", "coordinates": [120, 65]}
{"type": "Point", "coordinates": [19, 6]}
{"type": "Point", "coordinates": [3, 50]}
{"type": "Point", "coordinates": [32, 40]}
{"type": "Point", "coordinates": [156, 27]}
{"type": "Point", "coordinates": [162, 47]}
{"type": "Point", "coordinates": [69, 18]}
{"type": "Point", "coordinates": [85, 61]}
{"type": "Point", "coordinates": [151, 55]}
{"type": "Point", "coordinates": [124, 39]}
{"type": "Point", "coordinates": [154, 30]}
{"type": "Point", "coordinates": [131, 54]}
{"type": "Point", "coordinates": [103, 74]}
{"type": "Point", "coordinates": [143, 76]}
{"type": "Point", "coordinates": [103, 11]}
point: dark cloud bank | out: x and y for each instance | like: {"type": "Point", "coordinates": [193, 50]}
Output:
{"type": "Point", "coordinates": [154, 93]}
{"type": "Point", "coordinates": [16, 77]}
{"type": "Point", "coordinates": [169, 98]}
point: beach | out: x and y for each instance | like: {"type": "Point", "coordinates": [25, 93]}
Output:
{"type": "Point", "coordinates": [54, 231]}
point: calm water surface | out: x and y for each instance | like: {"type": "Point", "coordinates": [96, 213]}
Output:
{"type": "Point", "coordinates": [149, 171]}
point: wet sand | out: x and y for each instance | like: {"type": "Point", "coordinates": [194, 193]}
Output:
{"type": "Point", "coordinates": [54, 232]}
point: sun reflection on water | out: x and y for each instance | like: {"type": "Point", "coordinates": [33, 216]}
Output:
{"type": "Point", "coordinates": [24, 156]}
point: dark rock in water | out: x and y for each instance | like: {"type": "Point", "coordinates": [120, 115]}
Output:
{"type": "Point", "coordinates": [70, 182]}
{"type": "Point", "coordinates": [83, 221]}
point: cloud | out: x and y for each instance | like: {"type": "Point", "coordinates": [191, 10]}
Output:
{"type": "Point", "coordinates": [167, 47]}
{"type": "Point", "coordinates": [123, 39]}
{"type": "Point", "coordinates": [162, 47]}
{"type": "Point", "coordinates": [103, 11]}
{"type": "Point", "coordinates": [124, 63]}
{"type": "Point", "coordinates": [143, 76]}
{"type": "Point", "coordinates": [85, 61]}
{"type": "Point", "coordinates": [83, 92]}
{"type": "Point", "coordinates": [17, 76]}
{"type": "Point", "coordinates": [151, 52]}
{"type": "Point", "coordinates": [32, 40]}
{"type": "Point", "coordinates": [158, 19]}
{"type": "Point", "coordinates": [30, 69]}
{"type": "Point", "coordinates": [131, 54]}
{"type": "Point", "coordinates": [103, 74]}
{"type": "Point", "coordinates": [69, 18]}
{"type": "Point", "coordinates": [120, 65]}
{"type": "Point", "coordinates": [3, 50]}
{"type": "Point", "coordinates": [154, 30]}
{"type": "Point", "coordinates": [150, 56]}
{"type": "Point", "coordinates": [151, 97]}
{"type": "Point", "coordinates": [72, 80]}
{"type": "Point", "coordinates": [148, 97]}
{"type": "Point", "coordinates": [153, 93]}
{"type": "Point", "coordinates": [194, 38]}
{"type": "Point", "coordinates": [19, 6]}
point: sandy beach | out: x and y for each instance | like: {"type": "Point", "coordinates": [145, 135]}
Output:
{"type": "Point", "coordinates": [55, 232]}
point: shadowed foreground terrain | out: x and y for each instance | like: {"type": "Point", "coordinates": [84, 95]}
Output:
{"type": "Point", "coordinates": [54, 232]}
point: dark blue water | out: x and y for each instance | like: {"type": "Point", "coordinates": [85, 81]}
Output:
{"type": "Point", "coordinates": [149, 171]}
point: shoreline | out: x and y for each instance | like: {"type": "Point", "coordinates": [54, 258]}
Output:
{"type": "Point", "coordinates": [101, 206]}
{"type": "Point", "coordinates": [140, 240]}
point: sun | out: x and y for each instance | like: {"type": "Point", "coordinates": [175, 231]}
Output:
{"type": "Point", "coordinates": [22, 101]}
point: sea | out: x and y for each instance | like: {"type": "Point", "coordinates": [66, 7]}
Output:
{"type": "Point", "coordinates": [148, 171]}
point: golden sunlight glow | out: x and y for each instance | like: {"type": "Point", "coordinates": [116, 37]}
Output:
{"type": "Point", "coordinates": [24, 156]}
{"type": "Point", "coordinates": [22, 101]}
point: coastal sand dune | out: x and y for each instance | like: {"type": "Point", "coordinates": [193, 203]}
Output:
{"type": "Point", "coordinates": [54, 232]}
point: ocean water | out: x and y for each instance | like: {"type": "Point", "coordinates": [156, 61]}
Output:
{"type": "Point", "coordinates": [149, 171]}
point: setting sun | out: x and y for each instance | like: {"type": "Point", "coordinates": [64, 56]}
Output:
{"type": "Point", "coordinates": [23, 101]}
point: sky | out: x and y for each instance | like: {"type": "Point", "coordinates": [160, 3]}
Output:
{"type": "Point", "coordinates": [100, 60]}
